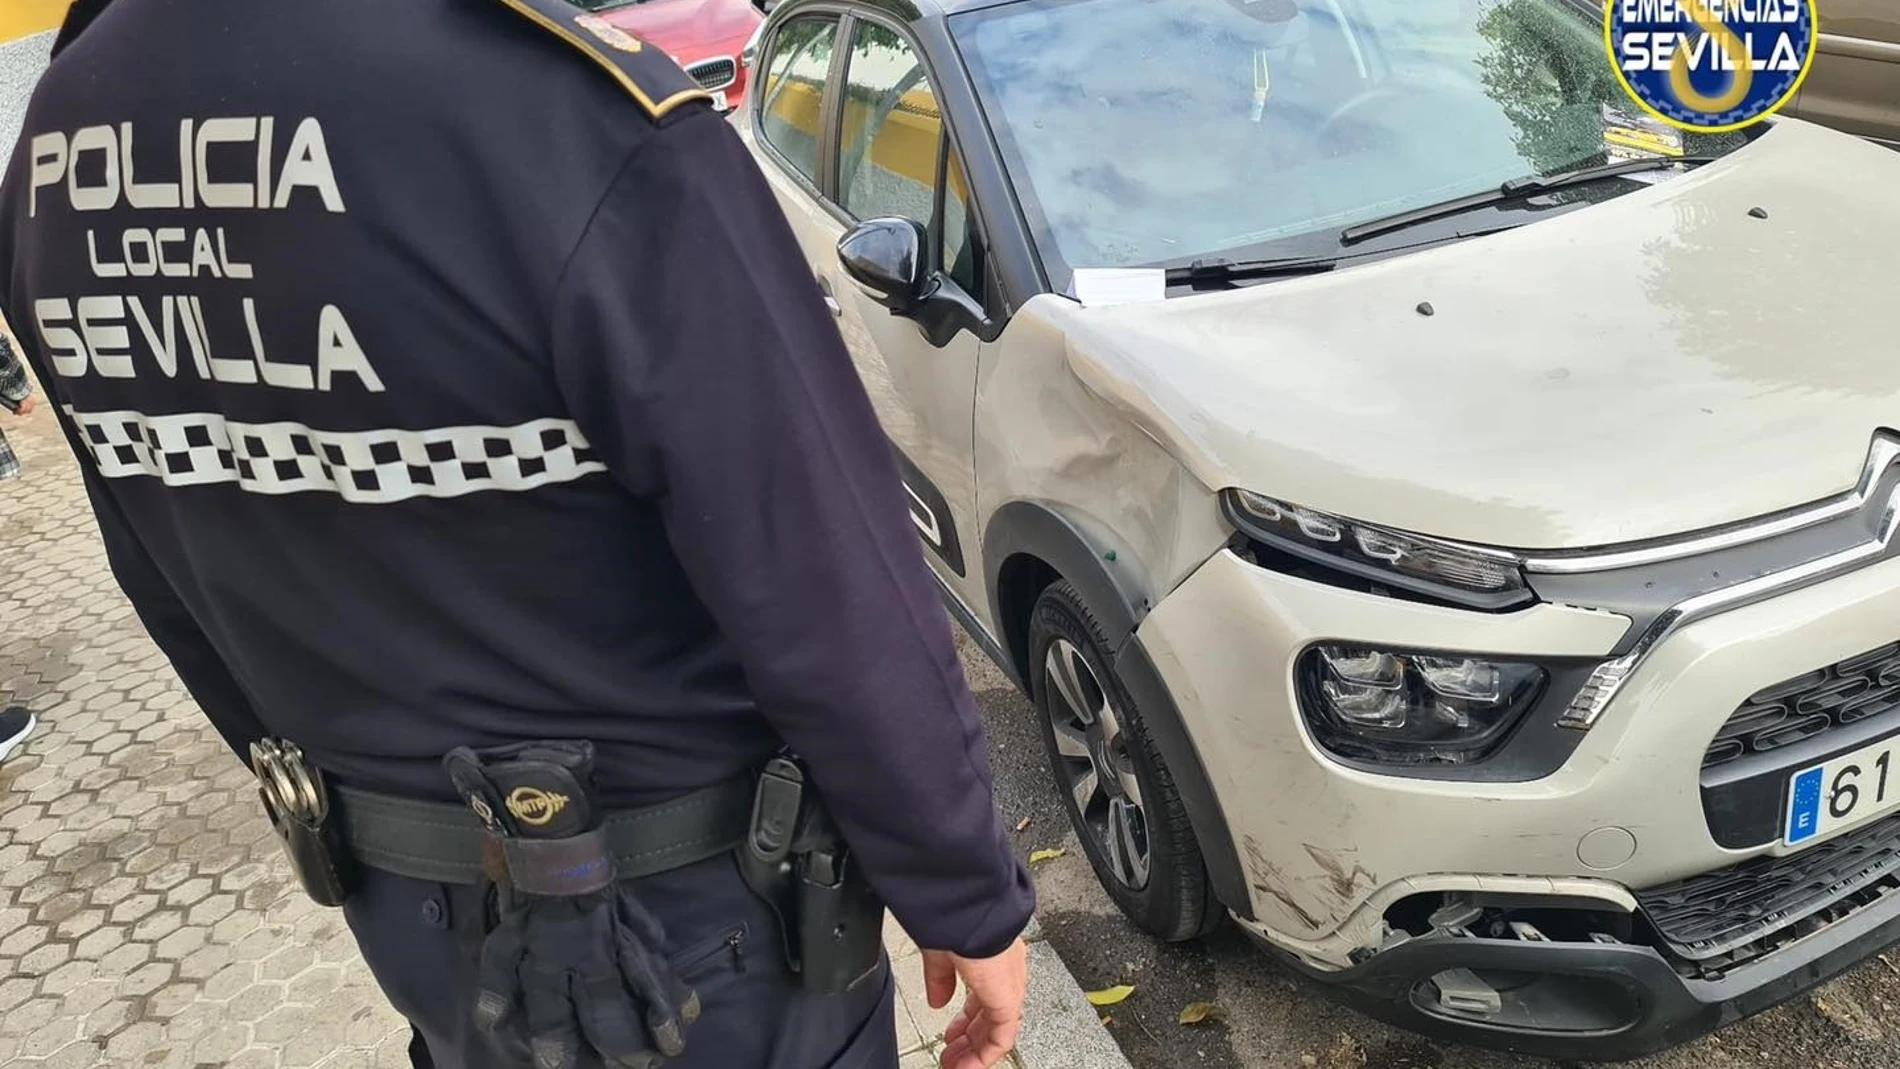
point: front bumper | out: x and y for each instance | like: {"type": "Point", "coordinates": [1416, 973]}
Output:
{"type": "Point", "coordinates": [1320, 841]}
{"type": "Point", "coordinates": [1331, 853]}
{"type": "Point", "coordinates": [1594, 1002]}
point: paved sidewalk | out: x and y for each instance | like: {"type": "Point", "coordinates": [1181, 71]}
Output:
{"type": "Point", "coordinates": [21, 63]}
{"type": "Point", "coordinates": [146, 917]}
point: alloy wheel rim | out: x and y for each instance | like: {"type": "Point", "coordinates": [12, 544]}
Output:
{"type": "Point", "coordinates": [1094, 765]}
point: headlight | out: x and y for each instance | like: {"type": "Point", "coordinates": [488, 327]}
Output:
{"type": "Point", "coordinates": [1470, 576]}
{"type": "Point", "coordinates": [1390, 707]}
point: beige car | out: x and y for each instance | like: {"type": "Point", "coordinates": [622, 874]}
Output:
{"type": "Point", "coordinates": [1444, 525]}
{"type": "Point", "coordinates": [1854, 84]}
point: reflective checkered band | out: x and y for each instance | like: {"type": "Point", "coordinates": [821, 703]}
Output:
{"type": "Point", "coordinates": [366, 467]}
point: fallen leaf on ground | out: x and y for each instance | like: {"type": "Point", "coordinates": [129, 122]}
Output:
{"type": "Point", "coordinates": [1308, 1060]}
{"type": "Point", "coordinates": [1198, 1012]}
{"type": "Point", "coordinates": [1346, 1054]}
{"type": "Point", "coordinates": [1037, 857]}
{"type": "Point", "coordinates": [1109, 996]}
{"type": "Point", "coordinates": [1023, 823]}
{"type": "Point", "coordinates": [1848, 1015]}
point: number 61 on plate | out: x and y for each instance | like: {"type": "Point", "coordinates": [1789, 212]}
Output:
{"type": "Point", "coordinates": [1850, 790]}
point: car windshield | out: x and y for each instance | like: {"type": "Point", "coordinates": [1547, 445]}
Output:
{"type": "Point", "coordinates": [1142, 132]}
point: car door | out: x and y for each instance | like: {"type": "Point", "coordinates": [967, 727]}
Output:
{"type": "Point", "coordinates": [1855, 82]}
{"type": "Point", "coordinates": [786, 124]}
{"type": "Point", "coordinates": [887, 155]}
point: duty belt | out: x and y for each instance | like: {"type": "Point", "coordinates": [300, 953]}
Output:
{"type": "Point", "coordinates": [445, 843]}
{"type": "Point", "coordinates": [328, 829]}
{"type": "Point", "coordinates": [788, 849]}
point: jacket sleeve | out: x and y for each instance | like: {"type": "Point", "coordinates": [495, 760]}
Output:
{"type": "Point", "coordinates": [697, 354]}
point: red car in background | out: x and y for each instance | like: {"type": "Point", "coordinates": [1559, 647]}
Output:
{"type": "Point", "coordinates": [705, 37]}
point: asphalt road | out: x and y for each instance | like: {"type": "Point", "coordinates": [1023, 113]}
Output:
{"type": "Point", "coordinates": [1275, 1020]}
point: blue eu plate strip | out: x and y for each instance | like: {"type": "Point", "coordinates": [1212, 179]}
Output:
{"type": "Point", "coordinates": [1804, 807]}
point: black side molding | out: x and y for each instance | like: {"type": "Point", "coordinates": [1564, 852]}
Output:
{"type": "Point", "coordinates": [930, 513]}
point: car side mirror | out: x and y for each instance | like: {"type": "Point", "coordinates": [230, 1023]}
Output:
{"type": "Point", "coordinates": [886, 256]}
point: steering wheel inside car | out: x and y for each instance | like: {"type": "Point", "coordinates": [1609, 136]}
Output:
{"type": "Point", "coordinates": [1408, 98]}
{"type": "Point", "coordinates": [1388, 92]}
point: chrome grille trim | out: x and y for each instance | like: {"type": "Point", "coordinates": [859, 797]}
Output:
{"type": "Point", "coordinates": [1608, 679]}
{"type": "Point", "coordinates": [1590, 703]}
{"type": "Point", "coordinates": [715, 73]}
{"type": "Point", "coordinates": [1881, 457]}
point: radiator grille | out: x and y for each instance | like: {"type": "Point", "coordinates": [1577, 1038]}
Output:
{"type": "Point", "coordinates": [1810, 705]}
{"type": "Point", "coordinates": [714, 73]}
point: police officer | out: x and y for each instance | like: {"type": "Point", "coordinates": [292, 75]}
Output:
{"type": "Point", "coordinates": [464, 424]}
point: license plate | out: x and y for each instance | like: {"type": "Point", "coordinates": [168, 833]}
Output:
{"type": "Point", "coordinates": [1849, 790]}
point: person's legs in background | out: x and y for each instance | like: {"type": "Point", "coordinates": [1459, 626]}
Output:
{"type": "Point", "coordinates": [15, 725]}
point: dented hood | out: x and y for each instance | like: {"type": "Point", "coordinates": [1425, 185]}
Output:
{"type": "Point", "coordinates": [1659, 363]}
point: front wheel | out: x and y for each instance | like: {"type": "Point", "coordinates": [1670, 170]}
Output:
{"type": "Point", "coordinates": [1114, 784]}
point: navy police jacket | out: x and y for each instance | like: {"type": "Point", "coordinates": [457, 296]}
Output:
{"type": "Point", "coordinates": [443, 375]}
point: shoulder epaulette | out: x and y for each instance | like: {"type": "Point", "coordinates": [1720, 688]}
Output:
{"type": "Point", "coordinates": [647, 73]}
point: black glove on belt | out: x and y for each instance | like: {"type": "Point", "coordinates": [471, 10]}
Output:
{"type": "Point", "coordinates": [575, 957]}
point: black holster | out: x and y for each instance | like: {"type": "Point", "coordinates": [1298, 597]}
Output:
{"type": "Point", "coordinates": [298, 803]}
{"type": "Point", "coordinates": [796, 859]}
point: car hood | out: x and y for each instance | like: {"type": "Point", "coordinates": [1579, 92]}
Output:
{"type": "Point", "coordinates": [689, 30]}
{"type": "Point", "coordinates": [1655, 364]}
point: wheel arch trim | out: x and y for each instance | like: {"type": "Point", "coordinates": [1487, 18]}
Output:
{"type": "Point", "coordinates": [1115, 587]}
{"type": "Point", "coordinates": [1100, 566]}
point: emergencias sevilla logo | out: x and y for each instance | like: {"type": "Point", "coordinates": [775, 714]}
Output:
{"type": "Point", "coordinates": [1710, 65]}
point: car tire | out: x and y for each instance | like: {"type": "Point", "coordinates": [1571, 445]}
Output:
{"type": "Point", "coordinates": [1091, 724]}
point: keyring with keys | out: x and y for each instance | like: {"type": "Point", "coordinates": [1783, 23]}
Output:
{"type": "Point", "coordinates": [1262, 83]}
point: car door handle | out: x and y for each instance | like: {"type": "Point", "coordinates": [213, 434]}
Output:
{"type": "Point", "coordinates": [831, 303]}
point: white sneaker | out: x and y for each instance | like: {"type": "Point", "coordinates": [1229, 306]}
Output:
{"type": "Point", "coordinates": [15, 725]}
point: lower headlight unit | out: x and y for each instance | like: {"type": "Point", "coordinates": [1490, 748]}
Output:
{"type": "Point", "coordinates": [1399, 708]}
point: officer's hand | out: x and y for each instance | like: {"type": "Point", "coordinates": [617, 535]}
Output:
{"type": "Point", "coordinates": [26, 406]}
{"type": "Point", "coordinates": [986, 1029]}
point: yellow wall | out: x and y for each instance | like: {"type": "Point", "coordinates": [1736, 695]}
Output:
{"type": "Point", "coordinates": [908, 143]}
{"type": "Point", "coordinates": [19, 18]}
{"type": "Point", "coordinates": [908, 146]}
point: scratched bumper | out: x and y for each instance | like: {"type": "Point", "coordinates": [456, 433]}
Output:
{"type": "Point", "coordinates": [1591, 1002]}
{"type": "Point", "coordinates": [1326, 847]}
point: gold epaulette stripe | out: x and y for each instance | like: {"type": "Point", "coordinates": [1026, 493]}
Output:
{"type": "Point", "coordinates": [657, 110]}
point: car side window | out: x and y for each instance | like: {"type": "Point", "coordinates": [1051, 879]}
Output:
{"type": "Point", "coordinates": [887, 158]}
{"type": "Point", "coordinates": [892, 140]}
{"type": "Point", "coordinates": [792, 99]}
{"type": "Point", "coordinates": [960, 248]}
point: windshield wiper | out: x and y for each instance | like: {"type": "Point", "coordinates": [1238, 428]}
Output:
{"type": "Point", "coordinates": [1236, 270]}
{"type": "Point", "coordinates": [1515, 189]}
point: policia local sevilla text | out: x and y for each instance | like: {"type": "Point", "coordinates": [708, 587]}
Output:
{"type": "Point", "coordinates": [94, 168]}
